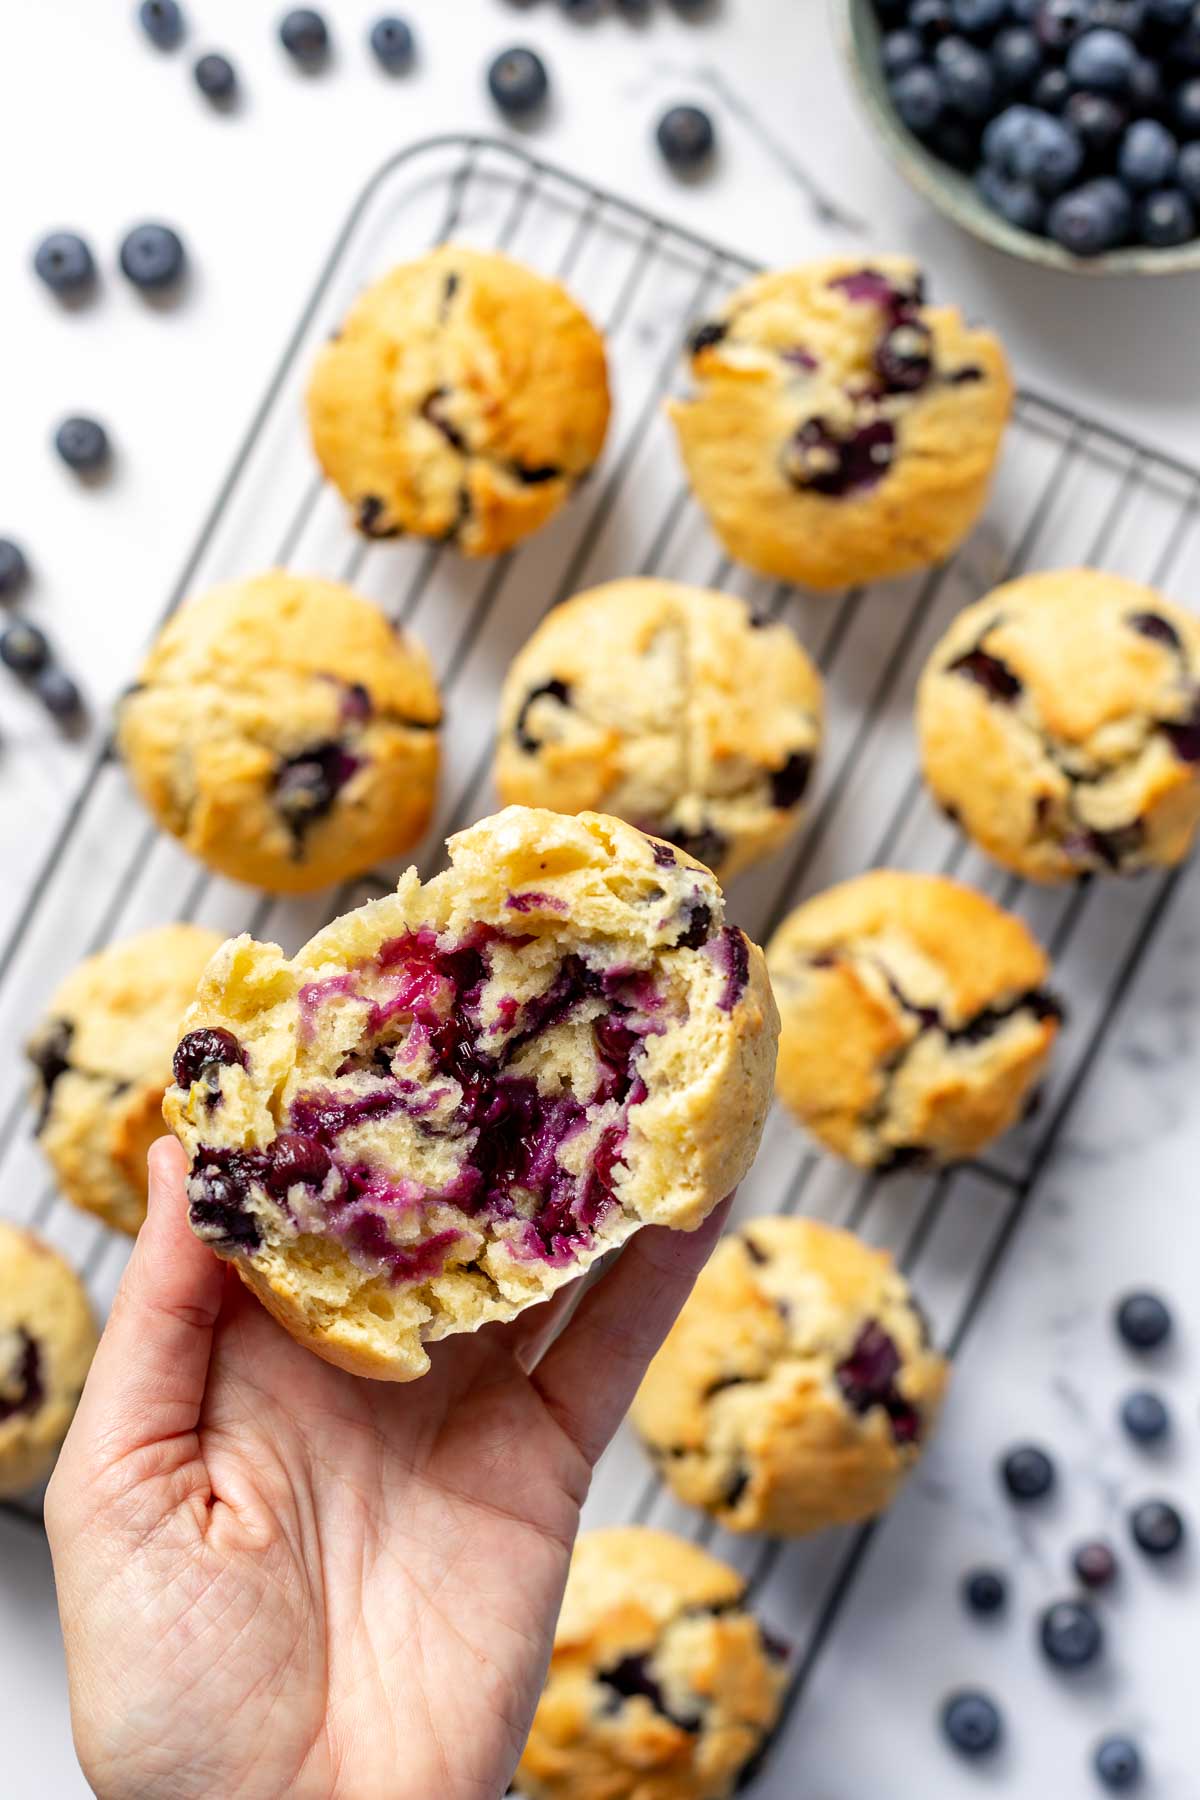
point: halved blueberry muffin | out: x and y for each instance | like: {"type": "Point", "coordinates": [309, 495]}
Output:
{"type": "Point", "coordinates": [841, 429]}
{"type": "Point", "coordinates": [284, 732]}
{"type": "Point", "coordinates": [1060, 725]}
{"type": "Point", "coordinates": [456, 1098]}
{"type": "Point", "coordinates": [661, 1680]}
{"type": "Point", "coordinates": [797, 1388]}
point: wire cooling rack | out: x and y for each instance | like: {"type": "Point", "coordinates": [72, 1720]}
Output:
{"type": "Point", "coordinates": [1069, 491]}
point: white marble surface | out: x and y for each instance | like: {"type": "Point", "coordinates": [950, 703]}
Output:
{"type": "Point", "coordinates": [99, 132]}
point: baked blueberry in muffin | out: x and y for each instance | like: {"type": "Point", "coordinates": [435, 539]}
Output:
{"type": "Point", "coordinates": [841, 429]}
{"type": "Point", "coordinates": [464, 398]}
{"type": "Point", "coordinates": [674, 708]}
{"type": "Point", "coordinates": [1060, 725]}
{"type": "Point", "coordinates": [916, 1019]}
{"type": "Point", "coordinates": [284, 732]}
{"type": "Point", "coordinates": [456, 1098]}
{"type": "Point", "coordinates": [661, 1681]}
{"type": "Point", "coordinates": [797, 1388]}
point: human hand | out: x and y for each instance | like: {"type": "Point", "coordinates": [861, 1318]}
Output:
{"type": "Point", "coordinates": [279, 1579]}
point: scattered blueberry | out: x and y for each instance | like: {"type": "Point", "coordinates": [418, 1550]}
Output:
{"type": "Point", "coordinates": [517, 81]}
{"type": "Point", "coordinates": [305, 36]}
{"type": "Point", "coordinates": [64, 262]}
{"type": "Point", "coordinates": [1095, 1564]}
{"type": "Point", "coordinates": [1166, 218]}
{"type": "Point", "coordinates": [23, 648]}
{"type": "Point", "coordinates": [14, 569]}
{"type": "Point", "coordinates": [1157, 1527]}
{"type": "Point", "coordinates": [1017, 201]}
{"type": "Point", "coordinates": [1118, 1763]}
{"type": "Point", "coordinates": [1147, 156]}
{"type": "Point", "coordinates": [1143, 1321]}
{"type": "Point", "coordinates": [392, 43]}
{"type": "Point", "coordinates": [152, 256]}
{"type": "Point", "coordinates": [162, 22]}
{"type": "Point", "coordinates": [83, 444]}
{"type": "Point", "coordinates": [1071, 1635]}
{"type": "Point", "coordinates": [216, 77]}
{"type": "Point", "coordinates": [58, 693]}
{"type": "Point", "coordinates": [901, 50]}
{"type": "Point", "coordinates": [1027, 1472]}
{"type": "Point", "coordinates": [971, 1723]}
{"type": "Point", "coordinates": [1102, 61]}
{"type": "Point", "coordinates": [686, 137]}
{"type": "Point", "coordinates": [984, 1590]}
{"type": "Point", "coordinates": [1092, 218]}
{"type": "Point", "coordinates": [917, 97]}
{"type": "Point", "coordinates": [1144, 1416]}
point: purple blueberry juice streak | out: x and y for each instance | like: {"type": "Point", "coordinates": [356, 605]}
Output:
{"type": "Point", "coordinates": [873, 287]}
{"type": "Point", "coordinates": [314, 994]}
{"type": "Point", "coordinates": [404, 1262]}
{"type": "Point", "coordinates": [325, 1117]}
{"type": "Point", "coordinates": [533, 901]}
{"type": "Point", "coordinates": [731, 953]}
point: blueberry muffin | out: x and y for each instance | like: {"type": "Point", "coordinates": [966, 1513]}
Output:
{"type": "Point", "coordinates": [797, 1388]}
{"type": "Point", "coordinates": [672, 707]}
{"type": "Point", "coordinates": [102, 1062]}
{"type": "Point", "coordinates": [662, 1686]}
{"type": "Point", "coordinates": [841, 430]}
{"type": "Point", "coordinates": [457, 1097]}
{"type": "Point", "coordinates": [284, 732]}
{"type": "Point", "coordinates": [1059, 720]}
{"type": "Point", "coordinates": [47, 1338]}
{"type": "Point", "coordinates": [464, 398]}
{"type": "Point", "coordinates": [916, 1021]}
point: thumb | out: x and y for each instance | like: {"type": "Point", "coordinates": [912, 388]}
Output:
{"type": "Point", "coordinates": [149, 1374]}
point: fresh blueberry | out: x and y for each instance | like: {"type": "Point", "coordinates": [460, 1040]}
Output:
{"type": "Point", "coordinates": [1102, 61]}
{"type": "Point", "coordinates": [917, 97]}
{"type": "Point", "coordinates": [1147, 156]}
{"type": "Point", "coordinates": [305, 36]}
{"type": "Point", "coordinates": [901, 50]}
{"type": "Point", "coordinates": [162, 22]}
{"type": "Point", "coordinates": [1147, 93]}
{"type": "Point", "coordinates": [517, 81]}
{"type": "Point", "coordinates": [1027, 145]}
{"type": "Point", "coordinates": [1092, 218]}
{"type": "Point", "coordinates": [1118, 1763]}
{"type": "Point", "coordinates": [1157, 1527]}
{"type": "Point", "coordinates": [216, 77]}
{"type": "Point", "coordinates": [14, 569]}
{"type": "Point", "coordinates": [152, 256]}
{"type": "Point", "coordinates": [931, 20]}
{"type": "Point", "coordinates": [1143, 1320]}
{"type": "Point", "coordinates": [1189, 172]}
{"type": "Point", "coordinates": [971, 1723]}
{"type": "Point", "coordinates": [58, 693]}
{"type": "Point", "coordinates": [1187, 108]}
{"type": "Point", "coordinates": [979, 16]}
{"type": "Point", "coordinates": [1144, 1416]}
{"type": "Point", "coordinates": [685, 136]}
{"type": "Point", "coordinates": [1016, 201]}
{"type": "Point", "coordinates": [1027, 1472]}
{"type": "Point", "coordinates": [1059, 22]}
{"type": "Point", "coordinates": [1095, 1565]}
{"type": "Point", "coordinates": [1098, 120]}
{"type": "Point", "coordinates": [392, 43]}
{"type": "Point", "coordinates": [966, 77]}
{"type": "Point", "coordinates": [1071, 1635]}
{"type": "Point", "coordinates": [23, 648]}
{"type": "Point", "coordinates": [1166, 218]}
{"type": "Point", "coordinates": [1016, 59]}
{"type": "Point", "coordinates": [1051, 90]}
{"type": "Point", "coordinates": [83, 444]}
{"type": "Point", "coordinates": [984, 1590]}
{"type": "Point", "coordinates": [64, 262]}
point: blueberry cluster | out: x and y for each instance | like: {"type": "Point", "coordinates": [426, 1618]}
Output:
{"type": "Point", "coordinates": [1080, 119]}
{"type": "Point", "coordinates": [303, 33]}
{"type": "Point", "coordinates": [25, 650]}
{"type": "Point", "coordinates": [1071, 1631]}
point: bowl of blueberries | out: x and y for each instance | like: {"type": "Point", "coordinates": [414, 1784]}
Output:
{"type": "Point", "coordinates": [1066, 132]}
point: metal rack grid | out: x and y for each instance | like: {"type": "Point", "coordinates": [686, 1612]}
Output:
{"type": "Point", "coordinates": [1070, 490]}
